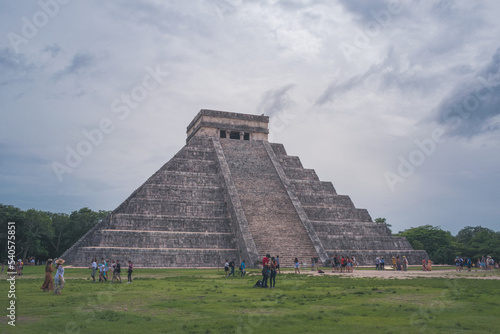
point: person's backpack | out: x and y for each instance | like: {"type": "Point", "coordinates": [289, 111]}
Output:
{"type": "Point", "coordinates": [258, 284]}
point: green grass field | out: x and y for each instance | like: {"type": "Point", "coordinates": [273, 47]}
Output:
{"type": "Point", "coordinates": [204, 301]}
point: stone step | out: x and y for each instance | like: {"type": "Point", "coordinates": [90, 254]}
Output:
{"type": "Point", "coordinates": [196, 153]}
{"type": "Point", "coordinates": [364, 242]}
{"type": "Point", "coordinates": [202, 209]}
{"type": "Point", "coordinates": [183, 178]}
{"type": "Point", "coordinates": [350, 228]}
{"type": "Point", "coordinates": [170, 223]}
{"type": "Point", "coordinates": [193, 166]}
{"type": "Point", "coordinates": [301, 174]}
{"type": "Point", "coordinates": [309, 187]}
{"type": "Point", "coordinates": [290, 161]}
{"type": "Point", "coordinates": [191, 193]}
{"type": "Point", "coordinates": [337, 214]}
{"type": "Point", "coordinates": [157, 257]}
{"type": "Point", "coordinates": [327, 200]}
{"type": "Point", "coordinates": [164, 239]}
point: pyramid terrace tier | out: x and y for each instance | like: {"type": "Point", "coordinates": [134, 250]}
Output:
{"type": "Point", "coordinates": [164, 239]}
{"type": "Point", "coordinates": [365, 242]}
{"type": "Point", "coordinates": [157, 257]}
{"type": "Point", "coordinates": [183, 178]}
{"type": "Point", "coordinates": [350, 228]}
{"type": "Point", "coordinates": [147, 222]}
{"type": "Point", "coordinates": [336, 214]}
{"type": "Point", "coordinates": [181, 192]}
{"type": "Point", "coordinates": [202, 209]}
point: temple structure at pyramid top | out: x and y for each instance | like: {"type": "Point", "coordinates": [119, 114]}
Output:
{"type": "Point", "coordinates": [230, 125]}
{"type": "Point", "coordinates": [230, 193]}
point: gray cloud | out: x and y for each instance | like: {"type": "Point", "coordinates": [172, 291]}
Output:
{"type": "Point", "coordinates": [53, 50]}
{"type": "Point", "coordinates": [384, 76]}
{"type": "Point", "coordinates": [472, 106]}
{"type": "Point", "coordinates": [15, 68]}
{"type": "Point", "coordinates": [79, 63]}
{"type": "Point", "coordinates": [276, 100]}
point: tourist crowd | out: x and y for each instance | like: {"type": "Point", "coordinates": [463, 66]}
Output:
{"type": "Point", "coordinates": [482, 263]}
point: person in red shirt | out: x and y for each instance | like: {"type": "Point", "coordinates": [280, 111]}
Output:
{"type": "Point", "coordinates": [265, 260]}
{"type": "Point", "coordinates": [265, 270]}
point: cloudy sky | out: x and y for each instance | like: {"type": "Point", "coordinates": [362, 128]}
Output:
{"type": "Point", "coordinates": [395, 102]}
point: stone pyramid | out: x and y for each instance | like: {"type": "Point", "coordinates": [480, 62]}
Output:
{"type": "Point", "coordinates": [229, 193]}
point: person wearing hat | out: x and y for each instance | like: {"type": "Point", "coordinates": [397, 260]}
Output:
{"type": "Point", "coordinates": [59, 276]}
{"type": "Point", "coordinates": [48, 283]}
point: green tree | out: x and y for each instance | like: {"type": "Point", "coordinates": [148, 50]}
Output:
{"type": "Point", "coordinates": [36, 224]}
{"type": "Point", "coordinates": [439, 244]}
{"type": "Point", "coordinates": [60, 240]}
{"type": "Point", "coordinates": [478, 241]}
{"type": "Point", "coordinates": [8, 213]}
{"type": "Point", "coordinates": [45, 234]}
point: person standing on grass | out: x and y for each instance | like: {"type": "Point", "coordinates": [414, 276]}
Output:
{"type": "Point", "coordinates": [242, 268]}
{"type": "Point", "coordinates": [278, 264]}
{"type": "Point", "coordinates": [101, 270]}
{"type": "Point", "coordinates": [118, 270]}
{"type": "Point", "coordinates": [226, 268]}
{"type": "Point", "coordinates": [297, 266]}
{"type": "Point", "coordinates": [377, 263]}
{"type": "Point", "coordinates": [382, 263]}
{"type": "Point", "coordinates": [48, 283]}
{"type": "Point", "coordinates": [312, 263]}
{"type": "Point", "coordinates": [468, 262]}
{"type": "Point", "coordinates": [93, 266]}
{"type": "Point", "coordinates": [405, 263]}
{"type": "Point", "coordinates": [343, 264]}
{"type": "Point", "coordinates": [265, 270]}
{"type": "Point", "coordinates": [113, 270]}
{"type": "Point", "coordinates": [272, 267]}
{"type": "Point", "coordinates": [130, 269]}
{"type": "Point", "coordinates": [232, 264]}
{"type": "Point", "coordinates": [106, 269]}
{"type": "Point", "coordinates": [59, 277]}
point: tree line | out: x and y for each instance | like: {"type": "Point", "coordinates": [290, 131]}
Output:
{"type": "Point", "coordinates": [443, 247]}
{"type": "Point", "coordinates": [42, 234]}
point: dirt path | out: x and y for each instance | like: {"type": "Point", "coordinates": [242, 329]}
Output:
{"type": "Point", "coordinates": [391, 274]}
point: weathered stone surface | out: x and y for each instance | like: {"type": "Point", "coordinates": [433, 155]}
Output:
{"type": "Point", "coordinates": [220, 197]}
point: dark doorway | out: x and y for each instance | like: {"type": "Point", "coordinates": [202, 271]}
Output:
{"type": "Point", "coordinates": [246, 136]}
{"type": "Point", "coordinates": [223, 133]}
{"type": "Point", "coordinates": [234, 135]}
